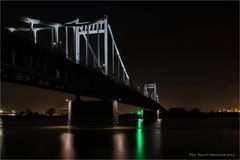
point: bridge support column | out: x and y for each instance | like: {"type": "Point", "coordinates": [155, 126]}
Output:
{"type": "Point", "coordinates": [150, 114]}
{"type": "Point", "coordinates": [93, 113]}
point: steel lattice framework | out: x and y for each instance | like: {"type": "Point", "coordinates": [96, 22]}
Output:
{"type": "Point", "coordinates": [85, 30]}
{"type": "Point", "coordinates": [150, 90]}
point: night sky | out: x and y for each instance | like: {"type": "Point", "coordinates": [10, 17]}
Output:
{"type": "Point", "coordinates": [190, 49]}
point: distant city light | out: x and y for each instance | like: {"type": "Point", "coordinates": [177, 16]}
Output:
{"type": "Point", "coordinates": [13, 111]}
{"type": "Point", "coordinates": [230, 109]}
{"type": "Point", "coordinates": [8, 113]}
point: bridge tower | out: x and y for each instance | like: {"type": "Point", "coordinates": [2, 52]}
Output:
{"type": "Point", "coordinates": [150, 90]}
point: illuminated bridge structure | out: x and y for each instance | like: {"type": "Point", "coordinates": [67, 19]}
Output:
{"type": "Point", "coordinates": [74, 57]}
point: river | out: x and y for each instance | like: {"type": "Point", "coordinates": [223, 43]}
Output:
{"type": "Point", "coordinates": [132, 139]}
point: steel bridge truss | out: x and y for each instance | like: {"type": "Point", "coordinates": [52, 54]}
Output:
{"type": "Point", "coordinates": [114, 69]}
{"type": "Point", "coordinates": [150, 90]}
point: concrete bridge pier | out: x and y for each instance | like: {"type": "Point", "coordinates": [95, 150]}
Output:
{"type": "Point", "coordinates": [92, 113]}
{"type": "Point", "coordinates": [150, 114]}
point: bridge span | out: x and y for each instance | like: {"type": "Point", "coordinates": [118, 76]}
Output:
{"type": "Point", "coordinates": [97, 71]}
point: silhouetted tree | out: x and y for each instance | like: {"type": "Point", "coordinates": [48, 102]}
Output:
{"type": "Point", "coordinates": [36, 114]}
{"type": "Point", "coordinates": [195, 110]}
{"type": "Point", "coordinates": [21, 113]}
{"type": "Point", "coordinates": [28, 112]}
{"type": "Point", "coordinates": [51, 112]}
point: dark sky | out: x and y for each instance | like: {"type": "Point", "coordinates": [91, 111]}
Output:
{"type": "Point", "coordinates": [190, 49]}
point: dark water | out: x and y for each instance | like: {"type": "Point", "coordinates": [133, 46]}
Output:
{"type": "Point", "coordinates": [136, 139]}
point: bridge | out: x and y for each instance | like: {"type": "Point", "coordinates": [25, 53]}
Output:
{"type": "Point", "coordinates": [76, 57]}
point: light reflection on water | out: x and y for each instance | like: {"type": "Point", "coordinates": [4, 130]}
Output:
{"type": "Point", "coordinates": [157, 138]}
{"type": "Point", "coordinates": [139, 141]}
{"type": "Point", "coordinates": [119, 147]}
{"type": "Point", "coordinates": [67, 142]}
{"type": "Point", "coordinates": [1, 136]}
{"type": "Point", "coordinates": [120, 142]}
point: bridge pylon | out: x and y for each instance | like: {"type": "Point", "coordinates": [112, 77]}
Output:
{"type": "Point", "coordinates": [150, 90]}
{"type": "Point", "coordinates": [92, 114]}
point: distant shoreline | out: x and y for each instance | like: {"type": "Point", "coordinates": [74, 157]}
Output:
{"type": "Point", "coordinates": [161, 115]}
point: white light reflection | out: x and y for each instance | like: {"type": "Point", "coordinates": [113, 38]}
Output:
{"type": "Point", "coordinates": [157, 138]}
{"type": "Point", "coordinates": [69, 111]}
{"type": "Point", "coordinates": [119, 151]}
{"type": "Point", "coordinates": [159, 123]}
{"type": "Point", "coordinates": [68, 150]}
{"type": "Point", "coordinates": [1, 136]}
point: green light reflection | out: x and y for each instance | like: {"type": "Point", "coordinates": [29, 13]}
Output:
{"type": "Point", "coordinates": [139, 125]}
{"type": "Point", "coordinates": [139, 141]}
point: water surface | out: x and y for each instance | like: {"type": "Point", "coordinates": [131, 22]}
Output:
{"type": "Point", "coordinates": [136, 139]}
